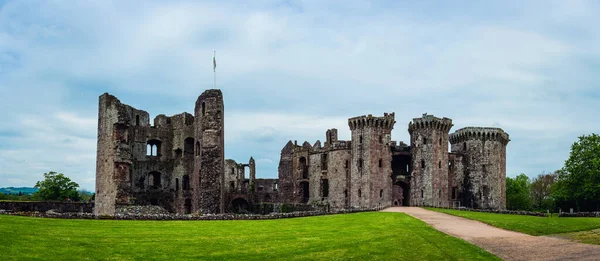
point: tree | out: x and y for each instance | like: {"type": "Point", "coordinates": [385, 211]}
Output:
{"type": "Point", "coordinates": [518, 193]}
{"type": "Point", "coordinates": [541, 191]}
{"type": "Point", "coordinates": [56, 186]}
{"type": "Point", "coordinates": [579, 180]}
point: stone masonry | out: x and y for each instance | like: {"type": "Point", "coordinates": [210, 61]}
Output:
{"type": "Point", "coordinates": [178, 163]}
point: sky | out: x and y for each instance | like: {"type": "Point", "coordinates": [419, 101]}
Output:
{"type": "Point", "coordinates": [289, 70]}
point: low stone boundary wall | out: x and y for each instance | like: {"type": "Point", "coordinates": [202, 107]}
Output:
{"type": "Point", "coordinates": [190, 216]}
{"type": "Point", "coordinates": [43, 206]}
{"type": "Point", "coordinates": [579, 214]}
{"type": "Point", "coordinates": [512, 212]}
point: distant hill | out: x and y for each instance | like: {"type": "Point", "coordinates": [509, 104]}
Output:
{"type": "Point", "coordinates": [13, 190]}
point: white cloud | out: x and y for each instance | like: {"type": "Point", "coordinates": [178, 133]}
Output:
{"type": "Point", "coordinates": [291, 70]}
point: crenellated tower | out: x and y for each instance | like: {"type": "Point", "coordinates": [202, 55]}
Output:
{"type": "Point", "coordinates": [371, 170]}
{"type": "Point", "coordinates": [209, 159]}
{"type": "Point", "coordinates": [429, 149]}
{"type": "Point", "coordinates": [484, 161]}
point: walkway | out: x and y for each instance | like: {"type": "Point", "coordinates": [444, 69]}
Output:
{"type": "Point", "coordinates": [505, 244]}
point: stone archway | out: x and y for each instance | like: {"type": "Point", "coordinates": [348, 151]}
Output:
{"type": "Point", "coordinates": [239, 205]}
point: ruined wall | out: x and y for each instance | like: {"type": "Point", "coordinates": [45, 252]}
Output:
{"type": "Point", "coordinates": [484, 159]}
{"type": "Point", "coordinates": [140, 175]}
{"type": "Point", "coordinates": [232, 182]}
{"type": "Point", "coordinates": [116, 136]}
{"type": "Point", "coordinates": [208, 175]}
{"type": "Point", "coordinates": [286, 173]}
{"type": "Point", "coordinates": [456, 180]}
{"type": "Point", "coordinates": [429, 148]}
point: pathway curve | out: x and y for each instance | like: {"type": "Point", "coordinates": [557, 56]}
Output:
{"type": "Point", "coordinates": [505, 244]}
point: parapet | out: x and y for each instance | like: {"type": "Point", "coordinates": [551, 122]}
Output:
{"type": "Point", "coordinates": [368, 121]}
{"type": "Point", "coordinates": [480, 133]}
{"type": "Point", "coordinates": [430, 122]}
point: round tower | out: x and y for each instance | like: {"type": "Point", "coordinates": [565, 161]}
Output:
{"type": "Point", "coordinates": [209, 158]}
{"type": "Point", "coordinates": [429, 151]}
{"type": "Point", "coordinates": [371, 165]}
{"type": "Point", "coordinates": [484, 160]}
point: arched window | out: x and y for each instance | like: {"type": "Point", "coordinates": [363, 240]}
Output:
{"type": "Point", "coordinates": [380, 163]}
{"type": "Point", "coordinates": [359, 193]}
{"type": "Point", "coordinates": [440, 164]}
{"type": "Point", "coordinates": [440, 193]}
{"type": "Point", "coordinates": [203, 108]}
{"type": "Point", "coordinates": [465, 146]}
{"type": "Point", "coordinates": [176, 184]}
{"type": "Point", "coordinates": [422, 195]}
{"type": "Point", "coordinates": [153, 148]}
{"type": "Point", "coordinates": [188, 146]}
{"type": "Point", "coordinates": [422, 164]}
{"type": "Point", "coordinates": [346, 166]}
{"type": "Point", "coordinates": [360, 139]}
{"type": "Point", "coordinates": [154, 179]}
{"type": "Point", "coordinates": [381, 193]}
{"type": "Point", "coordinates": [440, 140]}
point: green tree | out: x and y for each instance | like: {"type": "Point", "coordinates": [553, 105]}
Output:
{"type": "Point", "coordinates": [518, 196]}
{"type": "Point", "coordinates": [578, 182]}
{"type": "Point", "coordinates": [56, 186]}
{"type": "Point", "coordinates": [541, 191]}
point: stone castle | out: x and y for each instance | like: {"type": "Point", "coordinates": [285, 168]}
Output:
{"type": "Point", "coordinates": [178, 162]}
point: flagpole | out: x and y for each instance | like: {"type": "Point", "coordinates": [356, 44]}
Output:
{"type": "Point", "coordinates": [215, 69]}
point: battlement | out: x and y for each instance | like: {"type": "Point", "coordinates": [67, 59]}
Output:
{"type": "Point", "coordinates": [368, 121]}
{"type": "Point", "coordinates": [482, 133]}
{"type": "Point", "coordinates": [430, 122]}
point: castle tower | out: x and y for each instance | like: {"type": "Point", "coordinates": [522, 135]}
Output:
{"type": "Point", "coordinates": [209, 158]}
{"type": "Point", "coordinates": [116, 147]}
{"type": "Point", "coordinates": [429, 149]}
{"type": "Point", "coordinates": [371, 170]}
{"type": "Point", "coordinates": [484, 160]}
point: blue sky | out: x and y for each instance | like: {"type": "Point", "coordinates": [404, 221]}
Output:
{"type": "Point", "coordinates": [289, 70]}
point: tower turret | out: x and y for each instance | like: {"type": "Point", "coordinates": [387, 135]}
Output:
{"type": "Point", "coordinates": [484, 160]}
{"type": "Point", "coordinates": [429, 149]}
{"type": "Point", "coordinates": [209, 159]}
{"type": "Point", "coordinates": [370, 174]}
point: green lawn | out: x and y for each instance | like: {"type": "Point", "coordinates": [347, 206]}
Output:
{"type": "Point", "coordinates": [531, 225]}
{"type": "Point", "coordinates": [359, 236]}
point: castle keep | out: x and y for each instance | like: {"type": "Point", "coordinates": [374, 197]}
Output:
{"type": "Point", "coordinates": [178, 162]}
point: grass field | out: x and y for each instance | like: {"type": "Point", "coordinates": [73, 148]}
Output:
{"type": "Point", "coordinates": [359, 236]}
{"type": "Point", "coordinates": [531, 225]}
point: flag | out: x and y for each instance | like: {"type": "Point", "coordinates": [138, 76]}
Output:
{"type": "Point", "coordinates": [215, 62]}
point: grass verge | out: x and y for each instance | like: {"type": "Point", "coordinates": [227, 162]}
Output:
{"type": "Point", "coordinates": [531, 225]}
{"type": "Point", "coordinates": [361, 236]}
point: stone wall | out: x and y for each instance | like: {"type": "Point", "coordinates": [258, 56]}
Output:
{"type": "Point", "coordinates": [208, 175]}
{"type": "Point", "coordinates": [484, 151]}
{"type": "Point", "coordinates": [429, 144]}
{"type": "Point", "coordinates": [43, 206]}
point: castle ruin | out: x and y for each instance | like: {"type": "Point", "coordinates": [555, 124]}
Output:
{"type": "Point", "coordinates": [178, 162]}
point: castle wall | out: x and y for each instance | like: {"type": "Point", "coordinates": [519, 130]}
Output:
{"type": "Point", "coordinates": [187, 172]}
{"type": "Point", "coordinates": [286, 173]}
{"type": "Point", "coordinates": [429, 143]}
{"type": "Point", "coordinates": [371, 170]}
{"type": "Point", "coordinates": [208, 175]}
{"type": "Point", "coordinates": [484, 152]}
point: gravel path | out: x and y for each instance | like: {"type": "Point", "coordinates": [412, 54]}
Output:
{"type": "Point", "coordinates": [505, 244]}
